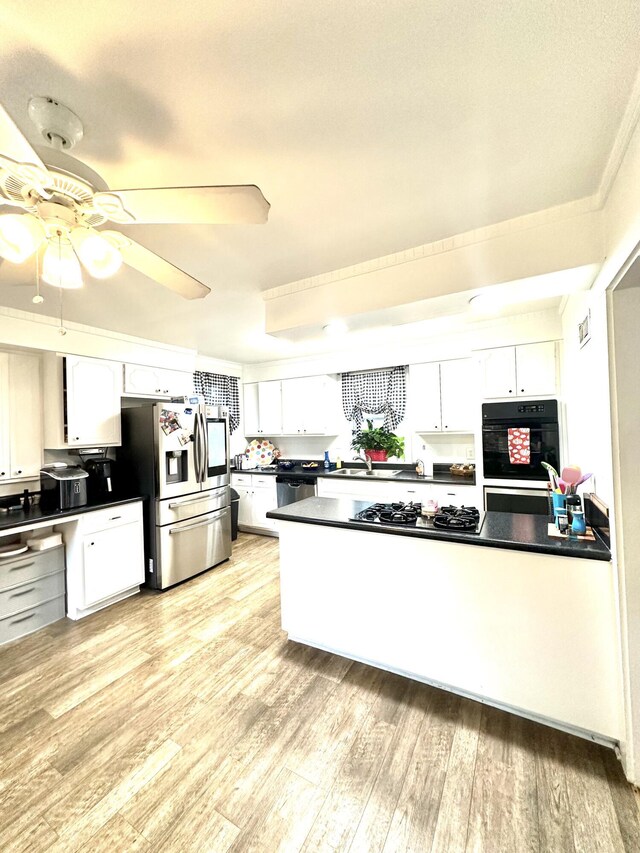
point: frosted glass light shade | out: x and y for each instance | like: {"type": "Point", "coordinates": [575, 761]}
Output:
{"type": "Point", "coordinates": [20, 236]}
{"type": "Point", "coordinates": [60, 266]}
{"type": "Point", "coordinates": [100, 258]}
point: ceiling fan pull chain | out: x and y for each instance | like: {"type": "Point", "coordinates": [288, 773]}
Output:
{"type": "Point", "coordinates": [38, 299]}
{"type": "Point", "coordinates": [61, 330]}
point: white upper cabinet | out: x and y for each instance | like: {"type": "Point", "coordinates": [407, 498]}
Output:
{"type": "Point", "coordinates": [499, 372]}
{"type": "Point", "coordinates": [424, 397]}
{"type": "Point", "coordinates": [528, 370]}
{"type": "Point", "coordinates": [143, 381]}
{"type": "Point", "coordinates": [536, 369]}
{"type": "Point", "coordinates": [250, 414]}
{"type": "Point", "coordinates": [20, 417]}
{"type": "Point", "coordinates": [270, 408]}
{"type": "Point", "coordinates": [82, 399]}
{"type": "Point", "coordinates": [442, 396]}
{"type": "Point", "coordinates": [458, 395]}
{"type": "Point", "coordinates": [305, 406]}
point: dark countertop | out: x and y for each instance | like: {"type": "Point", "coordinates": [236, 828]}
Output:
{"type": "Point", "coordinates": [36, 515]}
{"type": "Point", "coordinates": [515, 531]}
{"type": "Point", "coordinates": [441, 474]}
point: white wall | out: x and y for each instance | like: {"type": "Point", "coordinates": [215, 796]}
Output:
{"type": "Point", "coordinates": [621, 233]}
{"type": "Point", "coordinates": [585, 392]}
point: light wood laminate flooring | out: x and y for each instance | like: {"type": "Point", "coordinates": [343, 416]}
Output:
{"type": "Point", "coordinates": [185, 721]}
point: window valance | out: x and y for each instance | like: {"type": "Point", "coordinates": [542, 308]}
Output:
{"type": "Point", "coordinates": [376, 392]}
{"type": "Point", "coordinates": [219, 390]}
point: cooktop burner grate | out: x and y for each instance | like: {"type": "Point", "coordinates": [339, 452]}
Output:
{"type": "Point", "coordinates": [467, 519]}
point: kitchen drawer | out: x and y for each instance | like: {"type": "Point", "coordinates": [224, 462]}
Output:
{"type": "Point", "coordinates": [27, 621]}
{"type": "Point", "coordinates": [30, 594]}
{"type": "Point", "coordinates": [103, 519]}
{"type": "Point", "coordinates": [31, 565]}
{"type": "Point", "coordinates": [262, 480]}
{"type": "Point", "coordinates": [171, 510]}
{"type": "Point", "coordinates": [241, 479]}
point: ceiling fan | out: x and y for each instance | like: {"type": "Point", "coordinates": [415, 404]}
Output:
{"type": "Point", "coordinates": [63, 204]}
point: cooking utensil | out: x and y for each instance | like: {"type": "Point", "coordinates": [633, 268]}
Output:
{"type": "Point", "coordinates": [583, 479]}
{"type": "Point", "coordinates": [571, 474]}
{"type": "Point", "coordinates": [553, 474]}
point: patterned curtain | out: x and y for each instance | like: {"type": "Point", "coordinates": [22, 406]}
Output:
{"type": "Point", "coordinates": [374, 392]}
{"type": "Point", "coordinates": [219, 390]}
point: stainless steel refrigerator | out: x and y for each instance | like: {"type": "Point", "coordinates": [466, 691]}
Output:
{"type": "Point", "coordinates": [178, 455]}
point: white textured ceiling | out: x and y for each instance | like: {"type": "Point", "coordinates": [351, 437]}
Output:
{"type": "Point", "coordinates": [371, 127]}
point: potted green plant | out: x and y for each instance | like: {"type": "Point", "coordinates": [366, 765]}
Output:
{"type": "Point", "coordinates": [378, 443]}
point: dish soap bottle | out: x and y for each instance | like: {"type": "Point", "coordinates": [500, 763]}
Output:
{"type": "Point", "coordinates": [327, 464]}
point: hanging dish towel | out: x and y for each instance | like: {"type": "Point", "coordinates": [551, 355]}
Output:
{"type": "Point", "coordinates": [519, 439]}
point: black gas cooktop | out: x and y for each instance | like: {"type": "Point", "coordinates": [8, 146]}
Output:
{"type": "Point", "coordinates": [466, 519]}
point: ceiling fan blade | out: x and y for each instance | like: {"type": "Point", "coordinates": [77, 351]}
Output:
{"type": "Point", "coordinates": [242, 205]}
{"type": "Point", "coordinates": [156, 268]}
{"type": "Point", "coordinates": [15, 148]}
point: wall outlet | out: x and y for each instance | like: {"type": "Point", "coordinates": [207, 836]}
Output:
{"type": "Point", "coordinates": [471, 453]}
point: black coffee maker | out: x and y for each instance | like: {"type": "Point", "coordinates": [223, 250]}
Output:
{"type": "Point", "coordinates": [101, 484]}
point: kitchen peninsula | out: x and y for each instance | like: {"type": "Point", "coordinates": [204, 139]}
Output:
{"type": "Point", "coordinates": [508, 616]}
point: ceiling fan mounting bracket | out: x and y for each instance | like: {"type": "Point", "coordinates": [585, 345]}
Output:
{"type": "Point", "coordinates": [58, 125]}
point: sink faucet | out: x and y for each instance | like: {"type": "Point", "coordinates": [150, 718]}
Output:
{"type": "Point", "coordinates": [367, 461]}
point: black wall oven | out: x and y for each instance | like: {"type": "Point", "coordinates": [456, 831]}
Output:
{"type": "Point", "coordinates": [501, 421]}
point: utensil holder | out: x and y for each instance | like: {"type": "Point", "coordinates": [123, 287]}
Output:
{"type": "Point", "coordinates": [557, 502]}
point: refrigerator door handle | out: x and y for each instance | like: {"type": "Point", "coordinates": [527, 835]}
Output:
{"type": "Point", "coordinates": [211, 519]}
{"type": "Point", "coordinates": [178, 504]}
{"type": "Point", "coordinates": [196, 447]}
{"type": "Point", "coordinates": [205, 447]}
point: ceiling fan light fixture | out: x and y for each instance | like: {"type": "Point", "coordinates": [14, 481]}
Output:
{"type": "Point", "coordinates": [99, 256]}
{"type": "Point", "coordinates": [60, 266]}
{"type": "Point", "coordinates": [20, 236]}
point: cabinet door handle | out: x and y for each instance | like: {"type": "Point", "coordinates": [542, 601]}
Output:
{"type": "Point", "coordinates": [115, 517]}
{"type": "Point", "coordinates": [22, 619]}
{"type": "Point", "coordinates": [24, 592]}
{"type": "Point", "coordinates": [19, 471]}
{"type": "Point", "coordinates": [19, 568]}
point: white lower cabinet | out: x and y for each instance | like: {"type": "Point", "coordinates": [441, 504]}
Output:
{"type": "Point", "coordinates": [31, 592]}
{"type": "Point", "coordinates": [257, 497]}
{"type": "Point", "coordinates": [105, 558]}
{"type": "Point", "coordinates": [104, 575]}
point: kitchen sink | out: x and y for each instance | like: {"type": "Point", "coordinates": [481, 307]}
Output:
{"type": "Point", "coordinates": [362, 472]}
